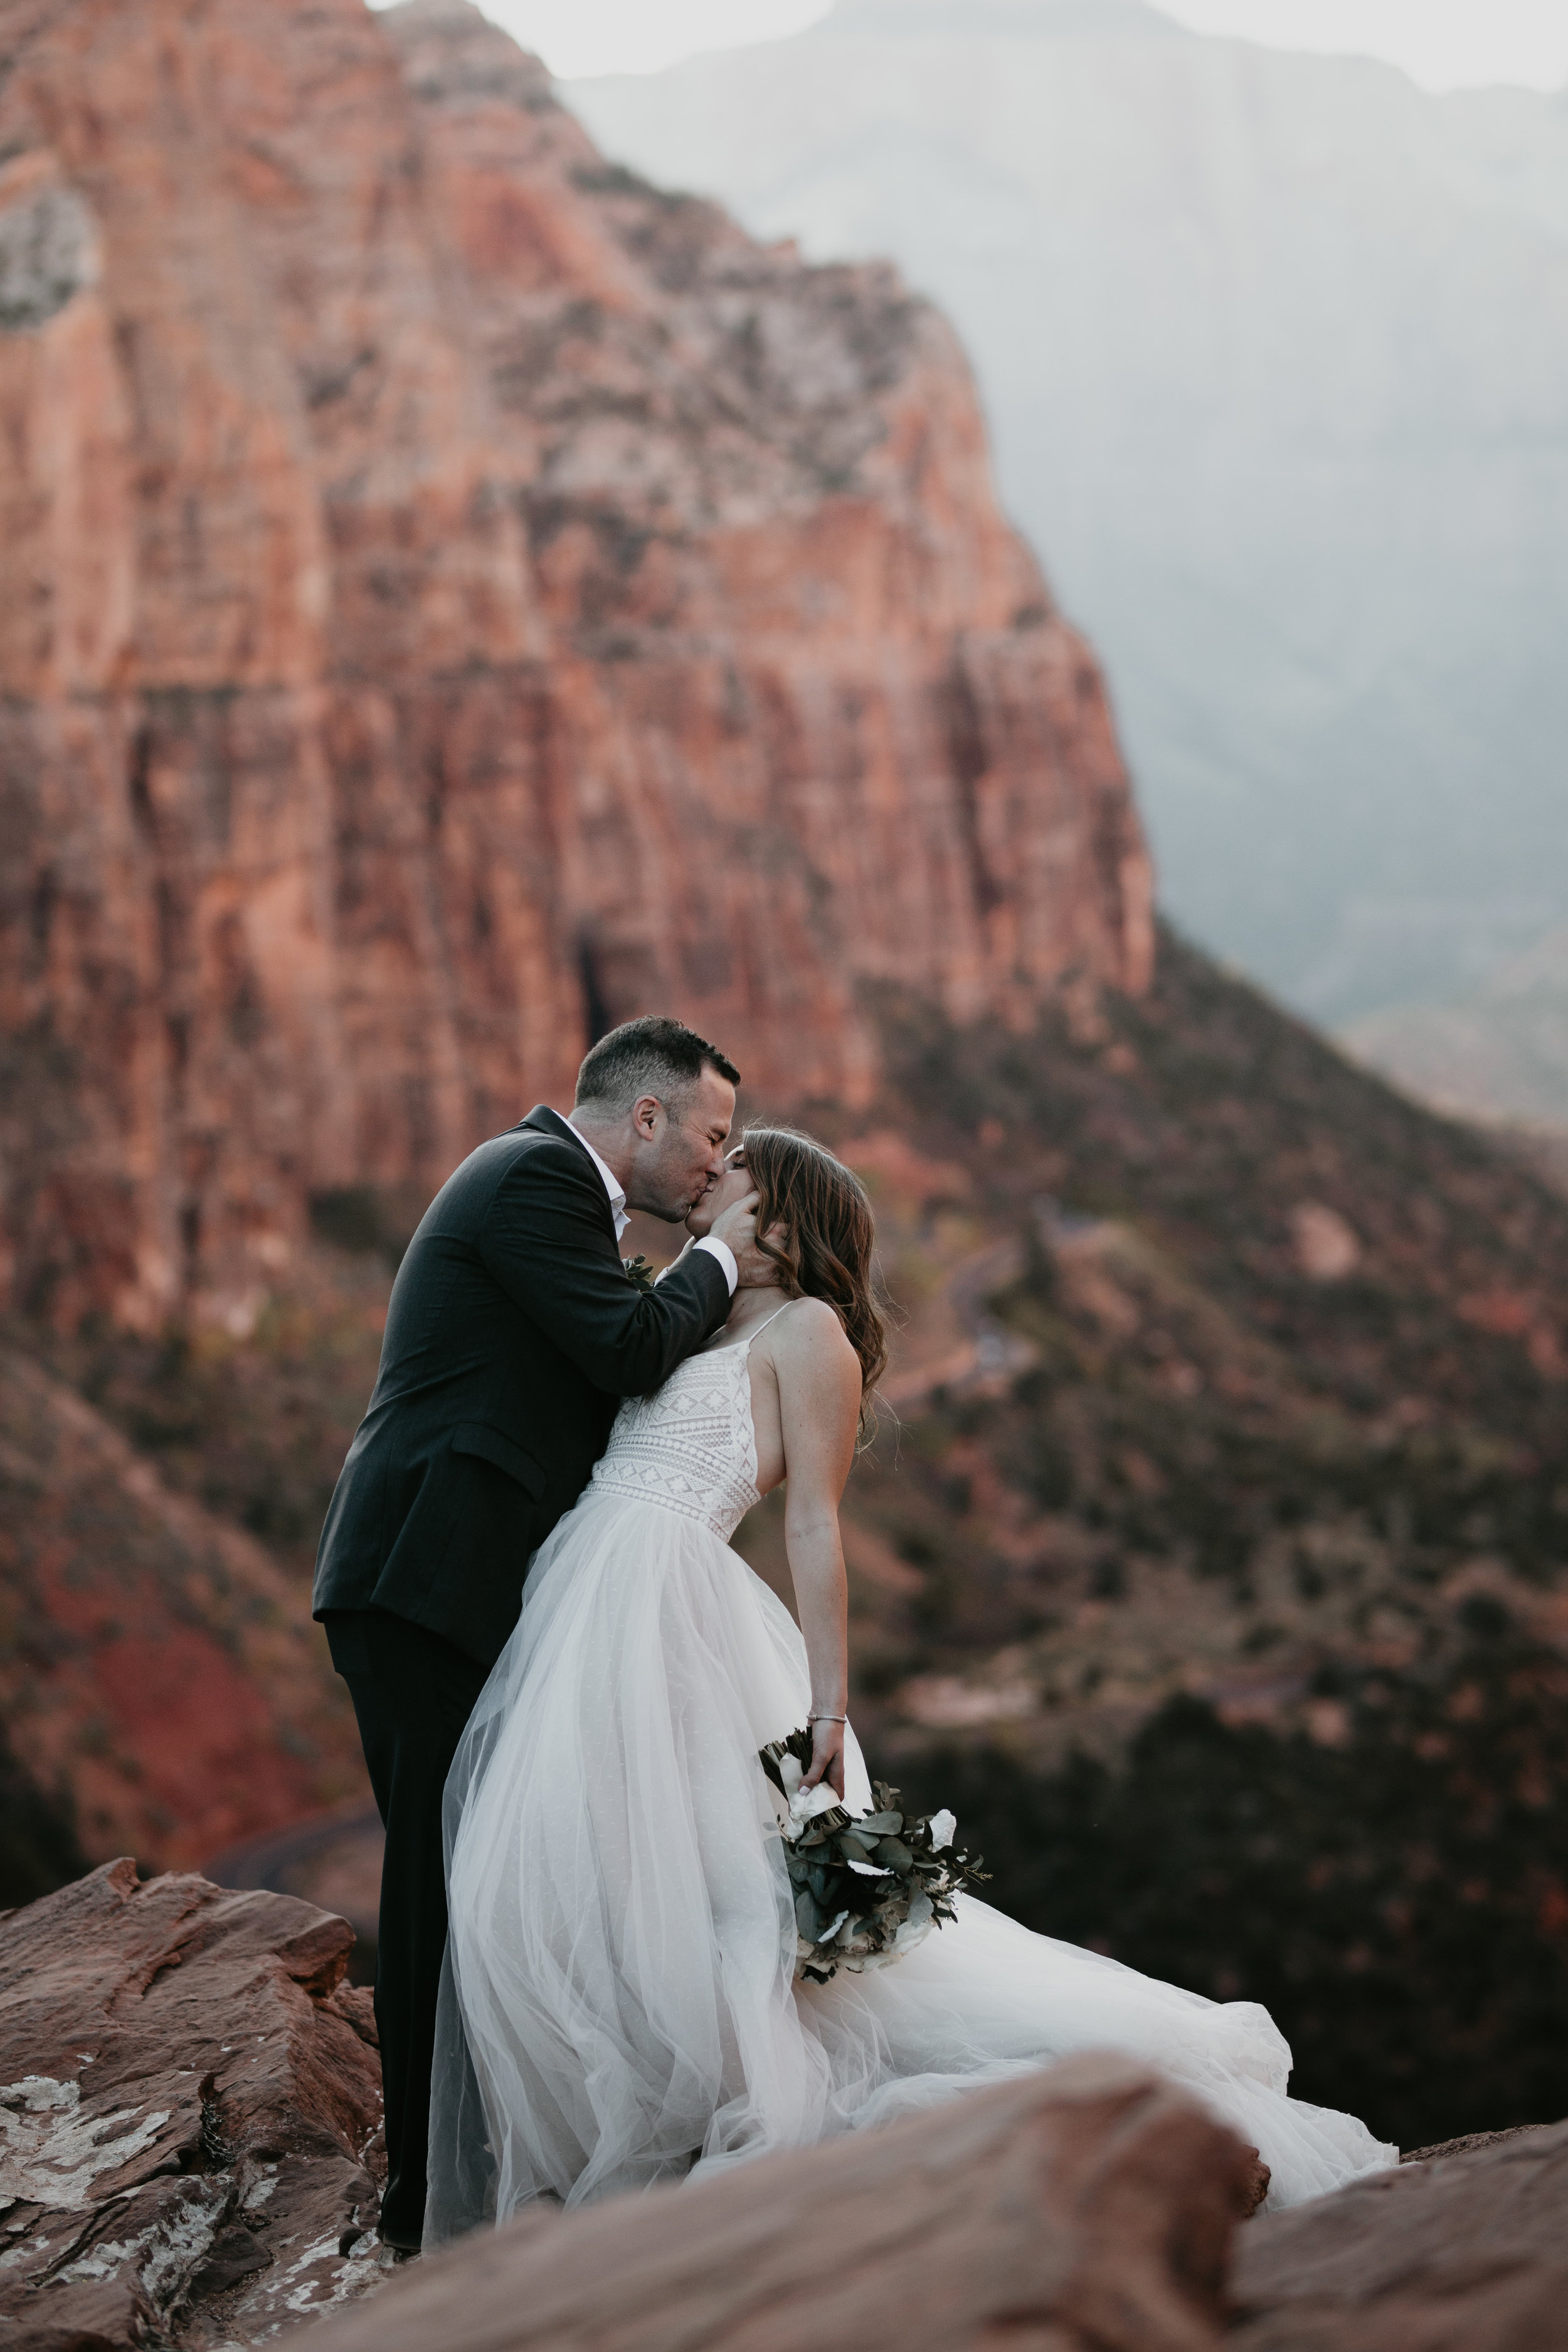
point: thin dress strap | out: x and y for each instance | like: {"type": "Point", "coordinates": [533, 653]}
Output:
{"type": "Point", "coordinates": [763, 1325]}
{"type": "Point", "coordinates": [742, 1347]}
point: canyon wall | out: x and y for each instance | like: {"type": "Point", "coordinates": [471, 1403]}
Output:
{"type": "Point", "coordinates": [457, 595]}
{"type": "Point", "coordinates": [1272, 349]}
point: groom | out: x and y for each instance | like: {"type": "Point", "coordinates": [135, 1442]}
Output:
{"type": "Point", "coordinates": [512, 1336]}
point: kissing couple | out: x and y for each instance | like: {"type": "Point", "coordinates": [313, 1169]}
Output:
{"type": "Point", "coordinates": [564, 1675]}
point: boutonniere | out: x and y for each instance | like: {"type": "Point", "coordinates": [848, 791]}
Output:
{"type": "Point", "coordinates": [637, 1270]}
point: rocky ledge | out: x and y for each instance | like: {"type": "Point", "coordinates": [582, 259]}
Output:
{"type": "Point", "coordinates": [1091, 2209]}
{"type": "Point", "coordinates": [1464, 2249]}
{"type": "Point", "coordinates": [189, 2097]}
{"type": "Point", "coordinates": [187, 2146]}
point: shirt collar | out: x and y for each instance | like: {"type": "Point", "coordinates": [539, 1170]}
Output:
{"type": "Point", "coordinates": [611, 1181]}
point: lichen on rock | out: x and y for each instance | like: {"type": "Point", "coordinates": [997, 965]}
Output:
{"type": "Point", "coordinates": [47, 254]}
{"type": "Point", "coordinates": [185, 2143]}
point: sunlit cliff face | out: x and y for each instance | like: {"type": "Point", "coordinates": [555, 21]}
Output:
{"type": "Point", "coordinates": [467, 596]}
{"type": "Point", "coordinates": [1278, 422]}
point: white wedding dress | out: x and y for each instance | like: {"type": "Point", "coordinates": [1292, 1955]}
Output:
{"type": "Point", "coordinates": [619, 2006]}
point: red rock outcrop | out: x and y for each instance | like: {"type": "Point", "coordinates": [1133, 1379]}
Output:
{"type": "Point", "coordinates": [1455, 2251]}
{"type": "Point", "coordinates": [1087, 2208]}
{"type": "Point", "coordinates": [189, 2116]}
{"type": "Point", "coordinates": [190, 2095]}
{"type": "Point", "coordinates": [455, 595]}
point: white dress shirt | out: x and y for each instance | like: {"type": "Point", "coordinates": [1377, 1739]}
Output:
{"type": "Point", "coordinates": [617, 1194]}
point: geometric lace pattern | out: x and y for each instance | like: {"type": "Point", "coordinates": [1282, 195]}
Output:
{"type": "Point", "coordinates": [690, 1448]}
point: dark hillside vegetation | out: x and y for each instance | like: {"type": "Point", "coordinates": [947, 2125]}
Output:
{"type": "Point", "coordinates": [38, 1848]}
{"type": "Point", "coordinates": [1209, 1117]}
{"type": "Point", "coordinates": [1323, 1459]}
{"type": "Point", "coordinates": [1398, 1899]}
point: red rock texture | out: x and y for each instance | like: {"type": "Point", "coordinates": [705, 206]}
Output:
{"type": "Point", "coordinates": [1450, 2253]}
{"type": "Point", "coordinates": [189, 2114]}
{"type": "Point", "coordinates": [1087, 2208]}
{"type": "Point", "coordinates": [455, 595]}
{"type": "Point", "coordinates": [156, 1666]}
{"type": "Point", "coordinates": [190, 2096]}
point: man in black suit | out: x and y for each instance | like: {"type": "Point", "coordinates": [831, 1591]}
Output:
{"type": "Point", "coordinates": [512, 1334]}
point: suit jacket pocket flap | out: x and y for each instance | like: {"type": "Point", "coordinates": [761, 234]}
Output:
{"type": "Point", "coordinates": [478, 1437]}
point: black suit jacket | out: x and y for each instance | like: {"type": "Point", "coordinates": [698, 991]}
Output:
{"type": "Point", "coordinates": [512, 1337]}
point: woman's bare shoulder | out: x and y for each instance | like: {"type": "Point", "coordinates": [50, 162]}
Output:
{"type": "Point", "coordinates": [809, 1328]}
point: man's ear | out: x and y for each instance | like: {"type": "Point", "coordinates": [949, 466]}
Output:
{"type": "Point", "coordinates": [646, 1113]}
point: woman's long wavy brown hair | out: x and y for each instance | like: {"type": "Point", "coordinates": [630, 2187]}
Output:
{"type": "Point", "coordinates": [828, 1236]}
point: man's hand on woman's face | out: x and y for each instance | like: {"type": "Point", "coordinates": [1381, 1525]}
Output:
{"type": "Point", "coordinates": [737, 1225]}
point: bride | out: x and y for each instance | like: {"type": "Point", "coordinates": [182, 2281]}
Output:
{"type": "Point", "coordinates": [617, 2007]}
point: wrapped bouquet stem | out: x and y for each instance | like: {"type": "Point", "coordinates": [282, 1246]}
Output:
{"type": "Point", "coordinates": [868, 1887]}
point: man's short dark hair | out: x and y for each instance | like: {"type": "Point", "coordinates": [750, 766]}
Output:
{"type": "Point", "coordinates": [655, 1056]}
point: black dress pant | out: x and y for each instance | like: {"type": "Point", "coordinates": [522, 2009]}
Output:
{"type": "Point", "coordinates": [412, 1693]}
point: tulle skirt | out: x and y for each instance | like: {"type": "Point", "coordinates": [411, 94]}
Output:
{"type": "Point", "coordinates": [617, 2007]}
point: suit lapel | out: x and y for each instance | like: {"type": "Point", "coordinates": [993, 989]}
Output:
{"type": "Point", "coordinates": [542, 1121]}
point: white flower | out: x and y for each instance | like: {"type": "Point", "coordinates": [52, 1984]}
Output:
{"type": "Point", "coordinates": [912, 1932]}
{"type": "Point", "coordinates": [942, 1825]}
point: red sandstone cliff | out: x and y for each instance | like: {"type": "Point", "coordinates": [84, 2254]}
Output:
{"type": "Point", "coordinates": [454, 594]}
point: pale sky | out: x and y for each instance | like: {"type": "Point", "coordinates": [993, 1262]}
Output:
{"type": "Point", "coordinates": [1443, 44]}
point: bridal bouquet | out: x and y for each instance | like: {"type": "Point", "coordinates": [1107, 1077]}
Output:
{"type": "Point", "coordinates": [869, 1887]}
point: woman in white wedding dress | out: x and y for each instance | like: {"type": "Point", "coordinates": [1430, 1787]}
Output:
{"type": "Point", "coordinates": [619, 2007]}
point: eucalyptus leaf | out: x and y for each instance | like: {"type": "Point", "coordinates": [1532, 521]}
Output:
{"type": "Point", "coordinates": [856, 1847]}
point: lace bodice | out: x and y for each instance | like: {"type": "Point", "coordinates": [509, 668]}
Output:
{"type": "Point", "coordinates": [692, 1446]}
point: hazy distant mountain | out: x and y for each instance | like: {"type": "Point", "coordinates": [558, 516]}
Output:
{"type": "Point", "coordinates": [1275, 352]}
{"type": "Point", "coordinates": [1498, 1051]}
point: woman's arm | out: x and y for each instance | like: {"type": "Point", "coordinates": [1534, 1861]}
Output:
{"type": "Point", "coordinates": [819, 1407]}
